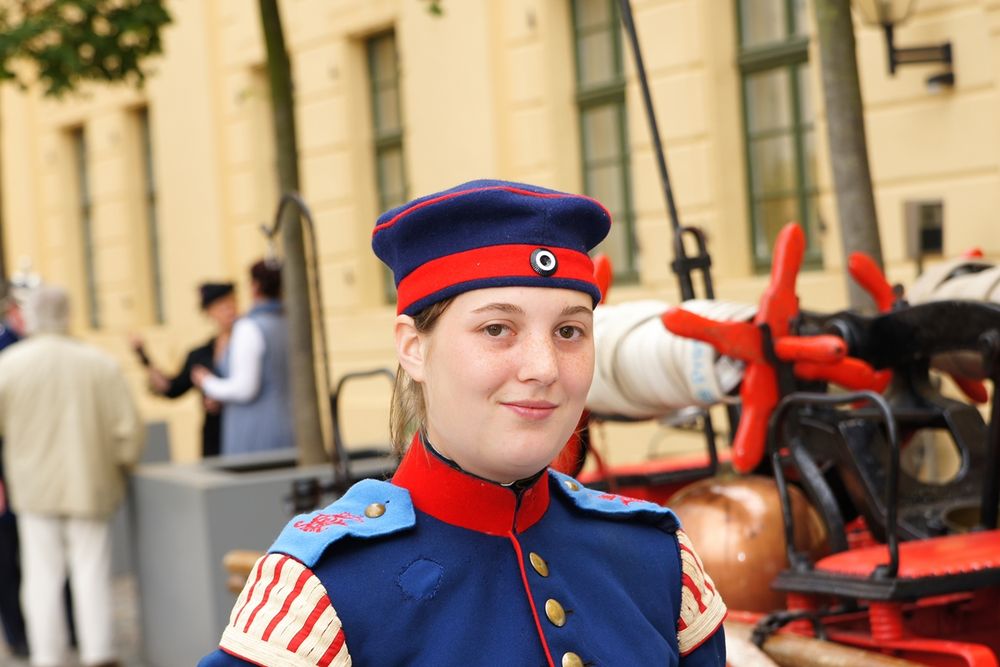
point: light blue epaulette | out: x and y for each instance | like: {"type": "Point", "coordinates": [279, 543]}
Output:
{"type": "Point", "coordinates": [370, 509]}
{"type": "Point", "coordinates": [615, 506]}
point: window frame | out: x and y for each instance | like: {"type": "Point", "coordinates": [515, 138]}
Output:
{"type": "Point", "coordinates": [788, 56]}
{"type": "Point", "coordinates": [384, 141]}
{"type": "Point", "coordinates": [608, 94]}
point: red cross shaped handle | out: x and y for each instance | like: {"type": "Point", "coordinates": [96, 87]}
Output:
{"type": "Point", "coordinates": [811, 357]}
{"type": "Point", "coordinates": [867, 273]}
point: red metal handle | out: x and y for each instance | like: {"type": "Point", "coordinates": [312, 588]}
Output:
{"type": "Point", "coordinates": [817, 349]}
{"type": "Point", "coordinates": [848, 372]}
{"type": "Point", "coordinates": [866, 273]}
{"type": "Point", "coordinates": [740, 340]}
{"type": "Point", "coordinates": [759, 395]}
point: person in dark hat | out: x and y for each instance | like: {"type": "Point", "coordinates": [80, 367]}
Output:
{"type": "Point", "coordinates": [218, 302]}
{"type": "Point", "coordinates": [477, 553]}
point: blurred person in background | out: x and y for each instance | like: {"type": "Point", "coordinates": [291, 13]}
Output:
{"type": "Point", "coordinates": [11, 330]}
{"type": "Point", "coordinates": [71, 433]}
{"type": "Point", "coordinates": [252, 383]}
{"type": "Point", "coordinates": [218, 302]}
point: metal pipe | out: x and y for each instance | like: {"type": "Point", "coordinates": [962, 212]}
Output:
{"type": "Point", "coordinates": [654, 131]}
{"type": "Point", "coordinates": [339, 458]}
{"type": "Point", "coordinates": [789, 650]}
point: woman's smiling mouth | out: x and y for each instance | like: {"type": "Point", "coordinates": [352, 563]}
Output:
{"type": "Point", "coordinates": [531, 410]}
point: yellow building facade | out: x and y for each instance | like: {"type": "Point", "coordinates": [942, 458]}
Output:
{"type": "Point", "coordinates": [130, 198]}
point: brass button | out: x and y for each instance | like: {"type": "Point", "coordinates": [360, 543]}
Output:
{"type": "Point", "coordinates": [537, 562]}
{"type": "Point", "coordinates": [375, 510]}
{"type": "Point", "coordinates": [572, 486]}
{"type": "Point", "coordinates": [571, 659]}
{"type": "Point", "coordinates": [556, 614]}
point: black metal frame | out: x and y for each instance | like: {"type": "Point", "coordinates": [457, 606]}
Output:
{"type": "Point", "coordinates": [903, 340]}
{"type": "Point", "coordinates": [914, 55]}
{"type": "Point", "coordinates": [797, 560]}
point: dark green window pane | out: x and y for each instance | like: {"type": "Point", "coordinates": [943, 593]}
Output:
{"type": "Point", "coordinates": [801, 18]}
{"type": "Point", "coordinates": [387, 110]}
{"type": "Point", "coordinates": [592, 13]}
{"type": "Point", "coordinates": [772, 165]}
{"type": "Point", "coordinates": [596, 55]}
{"type": "Point", "coordinates": [763, 21]}
{"type": "Point", "coordinates": [768, 101]}
{"type": "Point", "coordinates": [772, 215]}
{"type": "Point", "coordinates": [602, 133]}
{"type": "Point", "coordinates": [383, 58]}
{"type": "Point", "coordinates": [606, 184]}
{"type": "Point", "coordinates": [392, 185]}
{"type": "Point", "coordinates": [616, 246]}
{"type": "Point", "coordinates": [382, 62]}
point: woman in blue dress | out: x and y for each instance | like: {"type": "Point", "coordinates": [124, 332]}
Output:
{"type": "Point", "coordinates": [475, 553]}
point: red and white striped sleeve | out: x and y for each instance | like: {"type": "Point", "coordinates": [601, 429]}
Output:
{"type": "Point", "coordinates": [702, 608]}
{"type": "Point", "coordinates": [284, 617]}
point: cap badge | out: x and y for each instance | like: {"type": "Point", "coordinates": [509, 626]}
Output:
{"type": "Point", "coordinates": [544, 262]}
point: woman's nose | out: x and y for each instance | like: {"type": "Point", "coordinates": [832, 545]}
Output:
{"type": "Point", "coordinates": [539, 362]}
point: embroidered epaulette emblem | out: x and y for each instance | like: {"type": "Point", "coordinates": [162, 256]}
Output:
{"type": "Point", "coordinates": [369, 509]}
{"type": "Point", "coordinates": [613, 504]}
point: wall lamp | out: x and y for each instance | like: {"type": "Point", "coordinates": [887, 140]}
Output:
{"type": "Point", "coordinates": [887, 13]}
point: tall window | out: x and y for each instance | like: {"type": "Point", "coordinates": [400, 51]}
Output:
{"type": "Point", "coordinates": [600, 97]}
{"type": "Point", "coordinates": [390, 173]}
{"type": "Point", "coordinates": [152, 223]}
{"type": "Point", "coordinates": [85, 216]}
{"type": "Point", "coordinates": [778, 122]}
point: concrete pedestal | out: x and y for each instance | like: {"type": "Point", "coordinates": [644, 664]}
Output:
{"type": "Point", "coordinates": [186, 518]}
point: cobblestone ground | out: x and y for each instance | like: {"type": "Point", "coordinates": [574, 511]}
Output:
{"type": "Point", "coordinates": [126, 628]}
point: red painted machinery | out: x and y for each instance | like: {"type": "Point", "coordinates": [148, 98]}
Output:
{"type": "Point", "coordinates": [911, 567]}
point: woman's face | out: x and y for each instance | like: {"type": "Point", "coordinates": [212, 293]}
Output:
{"type": "Point", "coordinates": [505, 373]}
{"type": "Point", "coordinates": [222, 311]}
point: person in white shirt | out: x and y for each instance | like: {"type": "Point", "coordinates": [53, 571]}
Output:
{"type": "Point", "coordinates": [253, 382]}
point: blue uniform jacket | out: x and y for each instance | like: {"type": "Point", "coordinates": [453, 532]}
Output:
{"type": "Point", "coordinates": [442, 568]}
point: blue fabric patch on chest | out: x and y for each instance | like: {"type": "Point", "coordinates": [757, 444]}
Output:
{"type": "Point", "coordinates": [420, 579]}
{"type": "Point", "coordinates": [307, 536]}
{"type": "Point", "coordinates": [613, 505]}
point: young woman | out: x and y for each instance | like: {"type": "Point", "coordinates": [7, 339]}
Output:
{"type": "Point", "coordinates": [475, 553]}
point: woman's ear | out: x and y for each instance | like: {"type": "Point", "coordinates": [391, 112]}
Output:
{"type": "Point", "coordinates": [410, 347]}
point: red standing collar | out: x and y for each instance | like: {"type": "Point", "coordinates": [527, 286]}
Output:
{"type": "Point", "coordinates": [462, 500]}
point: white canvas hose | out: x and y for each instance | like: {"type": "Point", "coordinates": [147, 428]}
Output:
{"type": "Point", "coordinates": [643, 371]}
{"type": "Point", "coordinates": [959, 279]}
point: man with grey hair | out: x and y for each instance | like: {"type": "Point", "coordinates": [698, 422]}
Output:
{"type": "Point", "coordinates": [71, 431]}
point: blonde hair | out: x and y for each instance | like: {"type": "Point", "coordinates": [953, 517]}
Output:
{"type": "Point", "coordinates": [407, 412]}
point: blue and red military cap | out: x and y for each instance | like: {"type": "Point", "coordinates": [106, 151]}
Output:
{"type": "Point", "coordinates": [489, 234]}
